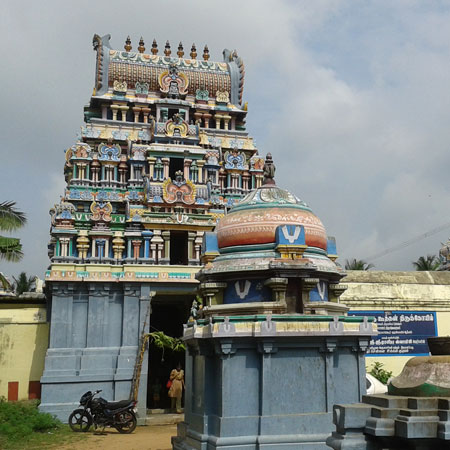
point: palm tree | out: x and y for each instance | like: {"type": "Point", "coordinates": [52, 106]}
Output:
{"type": "Point", "coordinates": [429, 262]}
{"type": "Point", "coordinates": [23, 283]}
{"type": "Point", "coordinates": [10, 219]}
{"type": "Point", "coordinates": [357, 264]}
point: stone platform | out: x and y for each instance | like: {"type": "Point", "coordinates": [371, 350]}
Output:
{"type": "Point", "coordinates": [387, 421]}
{"type": "Point", "coordinates": [269, 382]}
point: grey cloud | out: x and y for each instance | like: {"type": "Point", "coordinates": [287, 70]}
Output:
{"type": "Point", "coordinates": [352, 101]}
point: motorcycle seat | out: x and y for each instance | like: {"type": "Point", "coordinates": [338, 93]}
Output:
{"type": "Point", "coordinates": [118, 405]}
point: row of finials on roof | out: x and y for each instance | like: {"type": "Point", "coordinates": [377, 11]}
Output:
{"type": "Point", "coordinates": [167, 49]}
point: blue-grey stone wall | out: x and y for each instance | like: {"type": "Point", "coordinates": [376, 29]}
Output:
{"type": "Point", "coordinates": [94, 336]}
{"type": "Point", "coordinates": [271, 393]}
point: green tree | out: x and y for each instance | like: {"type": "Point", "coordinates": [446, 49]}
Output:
{"type": "Point", "coordinates": [10, 219]}
{"type": "Point", "coordinates": [429, 262]}
{"type": "Point", "coordinates": [23, 283]}
{"type": "Point", "coordinates": [379, 373]}
{"type": "Point", "coordinates": [357, 264]}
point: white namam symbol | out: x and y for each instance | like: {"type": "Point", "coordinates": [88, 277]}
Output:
{"type": "Point", "coordinates": [321, 289]}
{"type": "Point", "coordinates": [242, 293]}
{"type": "Point", "coordinates": [290, 238]}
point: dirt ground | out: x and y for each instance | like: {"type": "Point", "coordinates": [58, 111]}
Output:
{"type": "Point", "coordinates": [154, 437]}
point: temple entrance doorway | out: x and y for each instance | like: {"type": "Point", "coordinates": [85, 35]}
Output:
{"type": "Point", "coordinates": [179, 248]}
{"type": "Point", "coordinates": [169, 313]}
{"type": "Point", "coordinates": [175, 165]}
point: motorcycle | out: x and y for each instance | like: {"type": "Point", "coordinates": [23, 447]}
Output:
{"type": "Point", "coordinates": [101, 413]}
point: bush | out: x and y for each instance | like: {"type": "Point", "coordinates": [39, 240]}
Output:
{"type": "Point", "coordinates": [379, 373]}
{"type": "Point", "coordinates": [20, 419]}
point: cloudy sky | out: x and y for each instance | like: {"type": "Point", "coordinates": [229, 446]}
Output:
{"type": "Point", "coordinates": [351, 98]}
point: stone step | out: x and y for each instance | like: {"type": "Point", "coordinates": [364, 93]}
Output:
{"type": "Point", "coordinates": [163, 419]}
{"type": "Point", "coordinates": [386, 401]}
{"type": "Point", "coordinates": [418, 412]}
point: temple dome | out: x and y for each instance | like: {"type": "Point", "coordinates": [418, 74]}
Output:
{"type": "Point", "coordinates": [254, 220]}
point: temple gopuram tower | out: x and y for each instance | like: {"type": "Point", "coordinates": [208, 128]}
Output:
{"type": "Point", "coordinates": [162, 155]}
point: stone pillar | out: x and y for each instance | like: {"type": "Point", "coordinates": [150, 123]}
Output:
{"type": "Point", "coordinates": [266, 348]}
{"type": "Point", "coordinates": [129, 248]}
{"type": "Point", "coordinates": [206, 119]}
{"type": "Point", "coordinates": [136, 248]}
{"type": "Point", "coordinates": [101, 248]}
{"type": "Point", "coordinates": [97, 329]}
{"type": "Point", "coordinates": [130, 326]}
{"type": "Point", "coordinates": [198, 115]}
{"type": "Point", "coordinates": [156, 246]}
{"type": "Point", "coordinates": [147, 236]}
{"type": "Point", "coordinates": [104, 112]}
{"type": "Point", "coordinates": [151, 167]}
{"type": "Point", "coordinates": [187, 165]}
{"type": "Point", "coordinates": [144, 327]}
{"type": "Point", "coordinates": [218, 118]}
{"type": "Point", "coordinates": [226, 119]}
{"type": "Point", "coordinates": [335, 291]}
{"type": "Point", "coordinates": [222, 178]}
{"type": "Point", "coordinates": [130, 341]}
{"type": "Point", "coordinates": [166, 258]}
{"type": "Point", "coordinates": [198, 246]}
{"type": "Point", "coordinates": [107, 247]}
{"type": "Point", "coordinates": [137, 111]}
{"type": "Point", "coordinates": [115, 110]}
{"type": "Point", "coordinates": [200, 164]}
{"type": "Point", "coordinates": [118, 245]}
{"type": "Point", "coordinates": [191, 255]}
{"type": "Point", "coordinates": [210, 290]}
{"type": "Point", "coordinates": [308, 285]}
{"type": "Point", "coordinates": [328, 353]}
{"type": "Point", "coordinates": [61, 315]}
{"type": "Point", "coordinates": [82, 244]}
{"type": "Point", "coordinates": [245, 178]}
{"type": "Point", "coordinates": [124, 110]}
{"type": "Point", "coordinates": [259, 179]}
{"type": "Point", "coordinates": [145, 112]}
{"type": "Point", "coordinates": [165, 162]}
{"type": "Point", "coordinates": [359, 350]}
{"type": "Point", "coordinates": [64, 252]}
{"type": "Point", "coordinates": [278, 286]}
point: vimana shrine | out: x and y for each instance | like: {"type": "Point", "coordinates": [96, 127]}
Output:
{"type": "Point", "coordinates": [172, 221]}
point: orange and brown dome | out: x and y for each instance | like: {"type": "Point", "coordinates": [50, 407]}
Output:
{"type": "Point", "coordinates": [253, 221]}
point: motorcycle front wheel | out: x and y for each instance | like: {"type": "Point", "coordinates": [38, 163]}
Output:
{"type": "Point", "coordinates": [125, 422]}
{"type": "Point", "coordinates": [80, 420]}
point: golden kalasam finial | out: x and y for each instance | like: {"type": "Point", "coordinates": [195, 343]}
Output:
{"type": "Point", "coordinates": [154, 47]}
{"type": "Point", "coordinates": [127, 45]}
{"type": "Point", "coordinates": [141, 47]}
{"type": "Point", "coordinates": [206, 53]}
{"type": "Point", "coordinates": [180, 51]}
{"type": "Point", "coordinates": [193, 51]}
{"type": "Point", "coordinates": [167, 50]}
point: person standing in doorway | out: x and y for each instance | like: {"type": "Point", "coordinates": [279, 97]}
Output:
{"type": "Point", "coordinates": [176, 389]}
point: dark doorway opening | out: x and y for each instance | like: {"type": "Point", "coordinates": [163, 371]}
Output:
{"type": "Point", "coordinates": [169, 313]}
{"type": "Point", "coordinates": [179, 248]}
{"type": "Point", "coordinates": [175, 164]}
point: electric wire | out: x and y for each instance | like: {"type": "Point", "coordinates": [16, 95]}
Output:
{"type": "Point", "coordinates": [409, 242]}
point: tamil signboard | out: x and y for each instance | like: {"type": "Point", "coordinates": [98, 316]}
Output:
{"type": "Point", "coordinates": [400, 332]}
